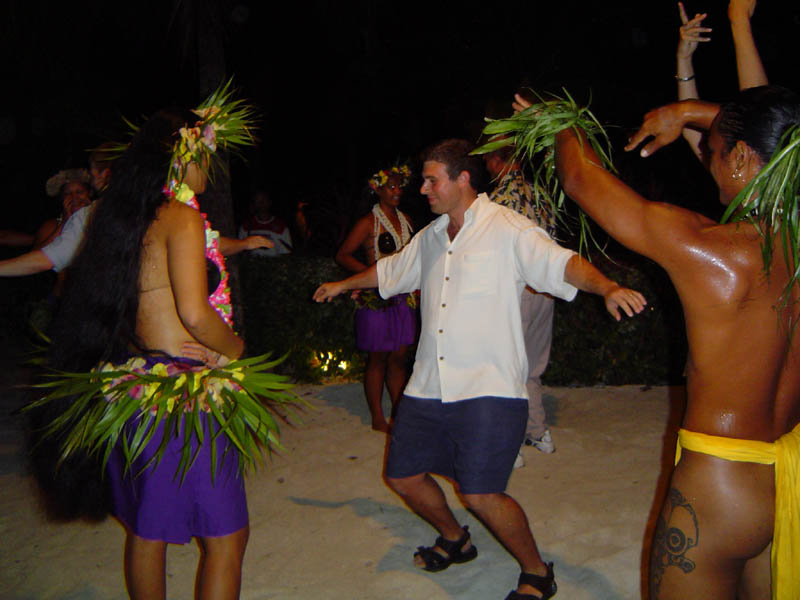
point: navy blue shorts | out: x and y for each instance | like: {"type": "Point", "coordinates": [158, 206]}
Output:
{"type": "Point", "coordinates": [472, 441]}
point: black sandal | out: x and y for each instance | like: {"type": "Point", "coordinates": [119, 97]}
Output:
{"type": "Point", "coordinates": [435, 562]}
{"type": "Point", "coordinates": [545, 584]}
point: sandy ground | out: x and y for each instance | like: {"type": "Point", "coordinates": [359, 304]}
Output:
{"type": "Point", "coordinates": [324, 525]}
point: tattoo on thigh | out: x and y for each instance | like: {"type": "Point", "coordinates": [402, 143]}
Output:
{"type": "Point", "coordinates": [671, 542]}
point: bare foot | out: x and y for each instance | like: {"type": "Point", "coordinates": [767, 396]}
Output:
{"type": "Point", "coordinates": [382, 426]}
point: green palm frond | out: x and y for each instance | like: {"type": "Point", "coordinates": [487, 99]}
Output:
{"type": "Point", "coordinates": [771, 202]}
{"type": "Point", "coordinates": [532, 134]}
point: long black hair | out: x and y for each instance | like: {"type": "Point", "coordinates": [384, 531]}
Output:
{"type": "Point", "coordinates": [96, 318]}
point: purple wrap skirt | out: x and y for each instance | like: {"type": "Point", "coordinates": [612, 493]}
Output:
{"type": "Point", "coordinates": [386, 329]}
{"type": "Point", "coordinates": [155, 504]}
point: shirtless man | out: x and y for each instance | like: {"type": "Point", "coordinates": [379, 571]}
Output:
{"type": "Point", "coordinates": [743, 375]}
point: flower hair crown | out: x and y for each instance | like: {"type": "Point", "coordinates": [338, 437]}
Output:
{"type": "Point", "coordinates": [381, 177]}
{"type": "Point", "coordinates": [223, 123]}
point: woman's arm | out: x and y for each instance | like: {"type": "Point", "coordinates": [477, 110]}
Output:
{"type": "Point", "coordinates": [691, 34]}
{"type": "Point", "coordinates": [230, 246]}
{"type": "Point", "coordinates": [186, 264]}
{"type": "Point", "coordinates": [748, 62]}
{"type": "Point", "coordinates": [358, 234]}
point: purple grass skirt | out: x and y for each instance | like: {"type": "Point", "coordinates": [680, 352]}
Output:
{"type": "Point", "coordinates": [386, 330]}
{"type": "Point", "coordinates": [156, 505]}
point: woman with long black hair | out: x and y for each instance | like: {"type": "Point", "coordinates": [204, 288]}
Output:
{"type": "Point", "coordinates": [161, 403]}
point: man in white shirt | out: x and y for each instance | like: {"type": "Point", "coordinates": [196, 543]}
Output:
{"type": "Point", "coordinates": [464, 411]}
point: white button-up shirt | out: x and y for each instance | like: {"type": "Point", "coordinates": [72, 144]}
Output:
{"type": "Point", "coordinates": [471, 341]}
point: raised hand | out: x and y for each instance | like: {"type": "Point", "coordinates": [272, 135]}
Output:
{"type": "Point", "coordinates": [692, 32]}
{"type": "Point", "coordinates": [519, 103]}
{"type": "Point", "coordinates": [663, 124]}
{"type": "Point", "coordinates": [741, 8]}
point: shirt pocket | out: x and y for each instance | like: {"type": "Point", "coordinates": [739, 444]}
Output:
{"type": "Point", "coordinates": [479, 274]}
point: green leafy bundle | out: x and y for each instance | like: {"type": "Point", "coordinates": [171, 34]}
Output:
{"type": "Point", "coordinates": [532, 134]}
{"type": "Point", "coordinates": [237, 400]}
{"type": "Point", "coordinates": [771, 202]}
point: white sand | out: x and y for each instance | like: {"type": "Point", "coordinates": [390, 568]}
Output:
{"type": "Point", "coordinates": [324, 525]}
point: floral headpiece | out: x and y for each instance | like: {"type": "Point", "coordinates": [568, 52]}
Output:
{"type": "Point", "coordinates": [223, 123]}
{"type": "Point", "coordinates": [381, 177]}
{"type": "Point", "coordinates": [60, 179]}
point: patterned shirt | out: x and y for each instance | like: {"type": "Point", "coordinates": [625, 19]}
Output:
{"type": "Point", "coordinates": [518, 194]}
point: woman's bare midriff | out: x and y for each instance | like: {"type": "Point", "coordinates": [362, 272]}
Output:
{"type": "Point", "coordinates": [158, 324]}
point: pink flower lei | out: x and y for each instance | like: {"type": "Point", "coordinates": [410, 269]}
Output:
{"type": "Point", "coordinates": [220, 298]}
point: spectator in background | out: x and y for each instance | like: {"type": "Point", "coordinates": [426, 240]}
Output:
{"type": "Point", "coordinates": [60, 246]}
{"type": "Point", "coordinates": [513, 191]}
{"type": "Point", "coordinates": [262, 222]}
{"type": "Point", "coordinates": [72, 188]}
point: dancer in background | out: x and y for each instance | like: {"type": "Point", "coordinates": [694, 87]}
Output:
{"type": "Point", "coordinates": [384, 328]}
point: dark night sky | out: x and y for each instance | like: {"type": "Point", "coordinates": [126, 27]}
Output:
{"type": "Point", "coordinates": [344, 87]}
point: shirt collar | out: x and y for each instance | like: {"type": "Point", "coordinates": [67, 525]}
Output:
{"type": "Point", "coordinates": [470, 215]}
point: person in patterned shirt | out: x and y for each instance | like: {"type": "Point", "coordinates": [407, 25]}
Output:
{"type": "Point", "coordinates": [512, 190]}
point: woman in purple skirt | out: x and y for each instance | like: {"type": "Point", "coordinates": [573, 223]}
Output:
{"type": "Point", "coordinates": [384, 328]}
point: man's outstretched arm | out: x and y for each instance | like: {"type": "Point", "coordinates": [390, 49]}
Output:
{"type": "Point", "coordinates": [364, 279]}
{"type": "Point", "coordinates": [584, 276]}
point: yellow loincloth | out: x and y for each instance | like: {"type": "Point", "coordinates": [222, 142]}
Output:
{"type": "Point", "coordinates": [784, 453]}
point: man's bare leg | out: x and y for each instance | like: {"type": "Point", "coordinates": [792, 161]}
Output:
{"type": "Point", "coordinates": [145, 568]}
{"type": "Point", "coordinates": [507, 521]}
{"type": "Point", "coordinates": [220, 570]}
{"type": "Point", "coordinates": [424, 496]}
{"type": "Point", "coordinates": [718, 515]}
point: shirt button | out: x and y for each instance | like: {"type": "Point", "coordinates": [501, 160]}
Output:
{"type": "Point", "coordinates": [441, 358]}
{"type": "Point", "coordinates": [443, 304]}
{"type": "Point", "coordinates": [447, 279]}
{"type": "Point", "coordinates": [441, 331]}
{"type": "Point", "coordinates": [449, 251]}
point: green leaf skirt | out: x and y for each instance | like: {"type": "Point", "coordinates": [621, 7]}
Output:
{"type": "Point", "coordinates": [241, 401]}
